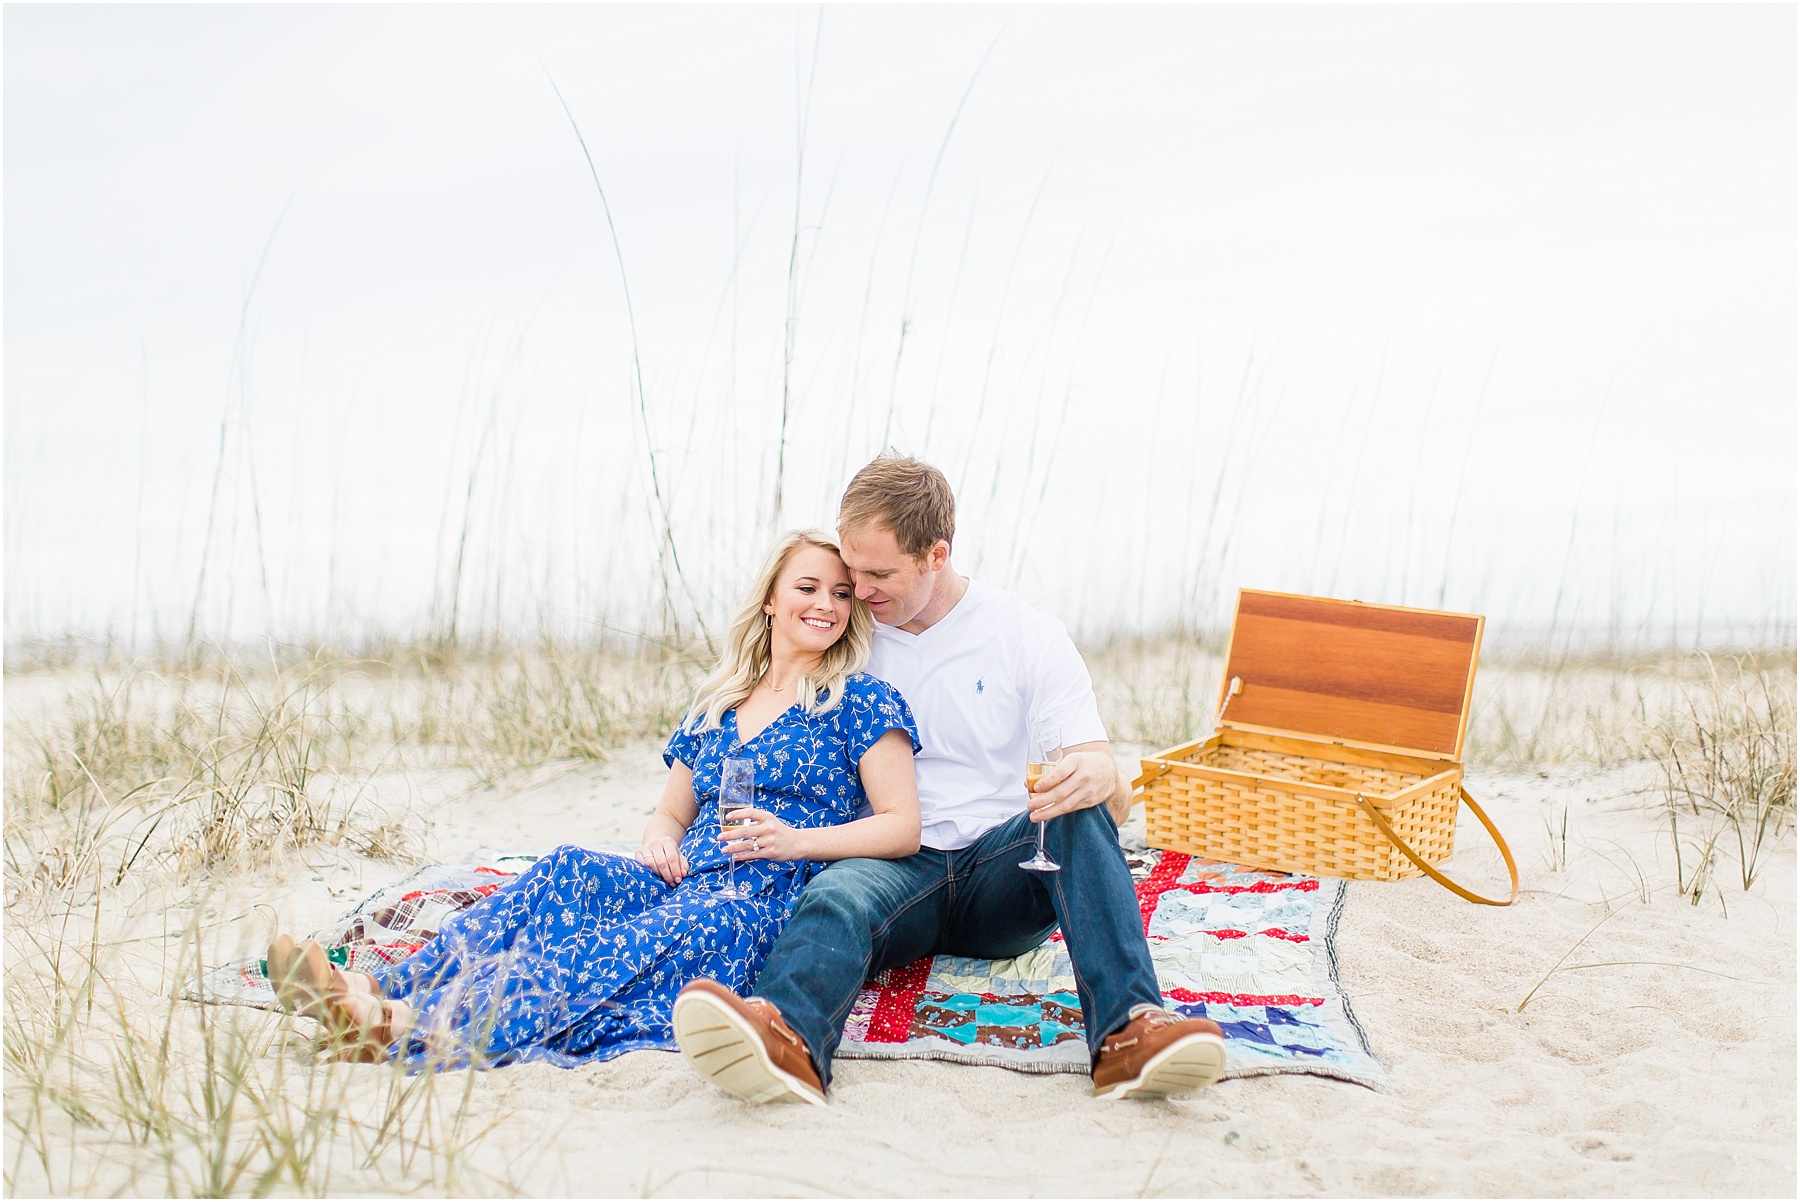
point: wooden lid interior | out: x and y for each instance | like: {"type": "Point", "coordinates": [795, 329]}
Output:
{"type": "Point", "coordinates": [1375, 674]}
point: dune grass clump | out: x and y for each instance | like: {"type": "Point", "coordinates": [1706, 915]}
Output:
{"type": "Point", "coordinates": [199, 774]}
{"type": "Point", "coordinates": [1726, 758]}
{"type": "Point", "coordinates": [216, 765]}
{"type": "Point", "coordinates": [511, 707]}
{"type": "Point", "coordinates": [114, 1087]}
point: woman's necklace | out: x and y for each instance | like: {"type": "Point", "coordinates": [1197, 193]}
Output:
{"type": "Point", "coordinates": [768, 682]}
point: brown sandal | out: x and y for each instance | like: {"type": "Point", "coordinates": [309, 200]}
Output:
{"type": "Point", "coordinates": [362, 1039]}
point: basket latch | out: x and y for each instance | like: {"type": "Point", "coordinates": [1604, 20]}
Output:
{"type": "Point", "coordinates": [1237, 686]}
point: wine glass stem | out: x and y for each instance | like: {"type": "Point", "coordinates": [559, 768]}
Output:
{"type": "Point", "coordinates": [730, 866]}
{"type": "Point", "coordinates": [1041, 827]}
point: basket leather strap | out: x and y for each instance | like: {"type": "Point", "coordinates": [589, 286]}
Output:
{"type": "Point", "coordinates": [1146, 778]}
{"type": "Point", "coordinates": [1512, 869]}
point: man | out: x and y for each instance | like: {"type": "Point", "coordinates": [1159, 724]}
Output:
{"type": "Point", "coordinates": [981, 670]}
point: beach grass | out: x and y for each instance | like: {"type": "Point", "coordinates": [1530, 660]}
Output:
{"type": "Point", "coordinates": [141, 794]}
{"type": "Point", "coordinates": [115, 1086]}
{"type": "Point", "coordinates": [1726, 757]}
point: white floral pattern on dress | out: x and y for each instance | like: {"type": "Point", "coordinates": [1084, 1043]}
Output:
{"type": "Point", "coordinates": [580, 957]}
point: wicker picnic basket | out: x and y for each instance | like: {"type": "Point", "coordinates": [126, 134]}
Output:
{"type": "Point", "coordinates": [1338, 746]}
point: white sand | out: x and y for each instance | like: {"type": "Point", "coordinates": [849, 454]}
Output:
{"type": "Point", "coordinates": [1623, 1081]}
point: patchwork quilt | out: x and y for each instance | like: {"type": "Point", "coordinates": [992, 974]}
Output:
{"type": "Point", "coordinates": [1253, 951]}
{"type": "Point", "coordinates": [386, 927]}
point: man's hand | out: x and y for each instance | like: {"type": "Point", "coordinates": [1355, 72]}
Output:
{"type": "Point", "coordinates": [1085, 776]}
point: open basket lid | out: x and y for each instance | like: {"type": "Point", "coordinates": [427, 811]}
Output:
{"type": "Point", "coordinates": [1377, 676]}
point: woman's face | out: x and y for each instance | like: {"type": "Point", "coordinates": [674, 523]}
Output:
{"type": "Point", "coordinates": [810, 607]}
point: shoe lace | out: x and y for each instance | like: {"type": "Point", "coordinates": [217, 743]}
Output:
{"type": "Point", "coordinates": [1152, 1020]}
{"type": "Point", "coordinates": [774, 1019]}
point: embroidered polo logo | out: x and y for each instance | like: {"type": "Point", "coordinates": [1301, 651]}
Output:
{"type": "Point", "coordinates": [980, 686]}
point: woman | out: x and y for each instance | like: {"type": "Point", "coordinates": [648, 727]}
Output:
{"type": "Point", "coordinates": [581, 956]}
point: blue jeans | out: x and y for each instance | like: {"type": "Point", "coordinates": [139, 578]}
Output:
{"type": "Point", "coordinates": [858, 917]}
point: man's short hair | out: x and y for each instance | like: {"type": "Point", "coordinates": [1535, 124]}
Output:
{"type": "Point", "coordinates": [911, 498]}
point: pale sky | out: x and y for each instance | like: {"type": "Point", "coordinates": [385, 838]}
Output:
{"type": "Point", "coordinates": [1486, 307]}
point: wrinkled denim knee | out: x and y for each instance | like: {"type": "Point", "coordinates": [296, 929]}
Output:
{"type": "Point", "coordinates": [856, 918]}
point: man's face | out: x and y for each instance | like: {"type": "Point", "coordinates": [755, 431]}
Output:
{"type": "Point", "coordinates": [894, 584]}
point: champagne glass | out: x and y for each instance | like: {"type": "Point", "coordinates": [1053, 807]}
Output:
{"type": "Point", "coordinates": [1045, 749]}
{"type": "Point", "coordinates": [737, 791]}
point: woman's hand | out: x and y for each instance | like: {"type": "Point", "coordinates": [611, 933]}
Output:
{"type": "Point", "coordinates": [764, 837]}
{"type": "Point", "coordinates": [664, 857]}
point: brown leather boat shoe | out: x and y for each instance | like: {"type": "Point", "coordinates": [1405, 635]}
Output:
{"type": "Point", "coordinates": [742, 1046]}
{"type": "Point", "coordinates": [1157, 1054]}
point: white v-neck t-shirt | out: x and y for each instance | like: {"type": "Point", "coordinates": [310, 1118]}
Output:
{"type": "Point", "coordinates": [977, 680]}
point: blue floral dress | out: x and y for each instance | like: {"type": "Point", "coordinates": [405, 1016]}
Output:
{"type": "Point", "coordinates": [580, 957]}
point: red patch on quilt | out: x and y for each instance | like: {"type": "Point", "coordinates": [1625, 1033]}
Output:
{"type": "Point", "coordinates": [478, 890]}
{"type": "Point", "coordinates": [1244, 999]}
{"type": "Point", "coordinates": [896, 997]}
{"type": "Point", "coordinates": [1162, 878]}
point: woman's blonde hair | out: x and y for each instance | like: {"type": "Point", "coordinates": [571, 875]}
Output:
{"type": "Point", "coordinates": [747, 646]}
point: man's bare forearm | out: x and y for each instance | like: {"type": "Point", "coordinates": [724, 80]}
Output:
{"type": "Point", "coordinates": [1119, 804]}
